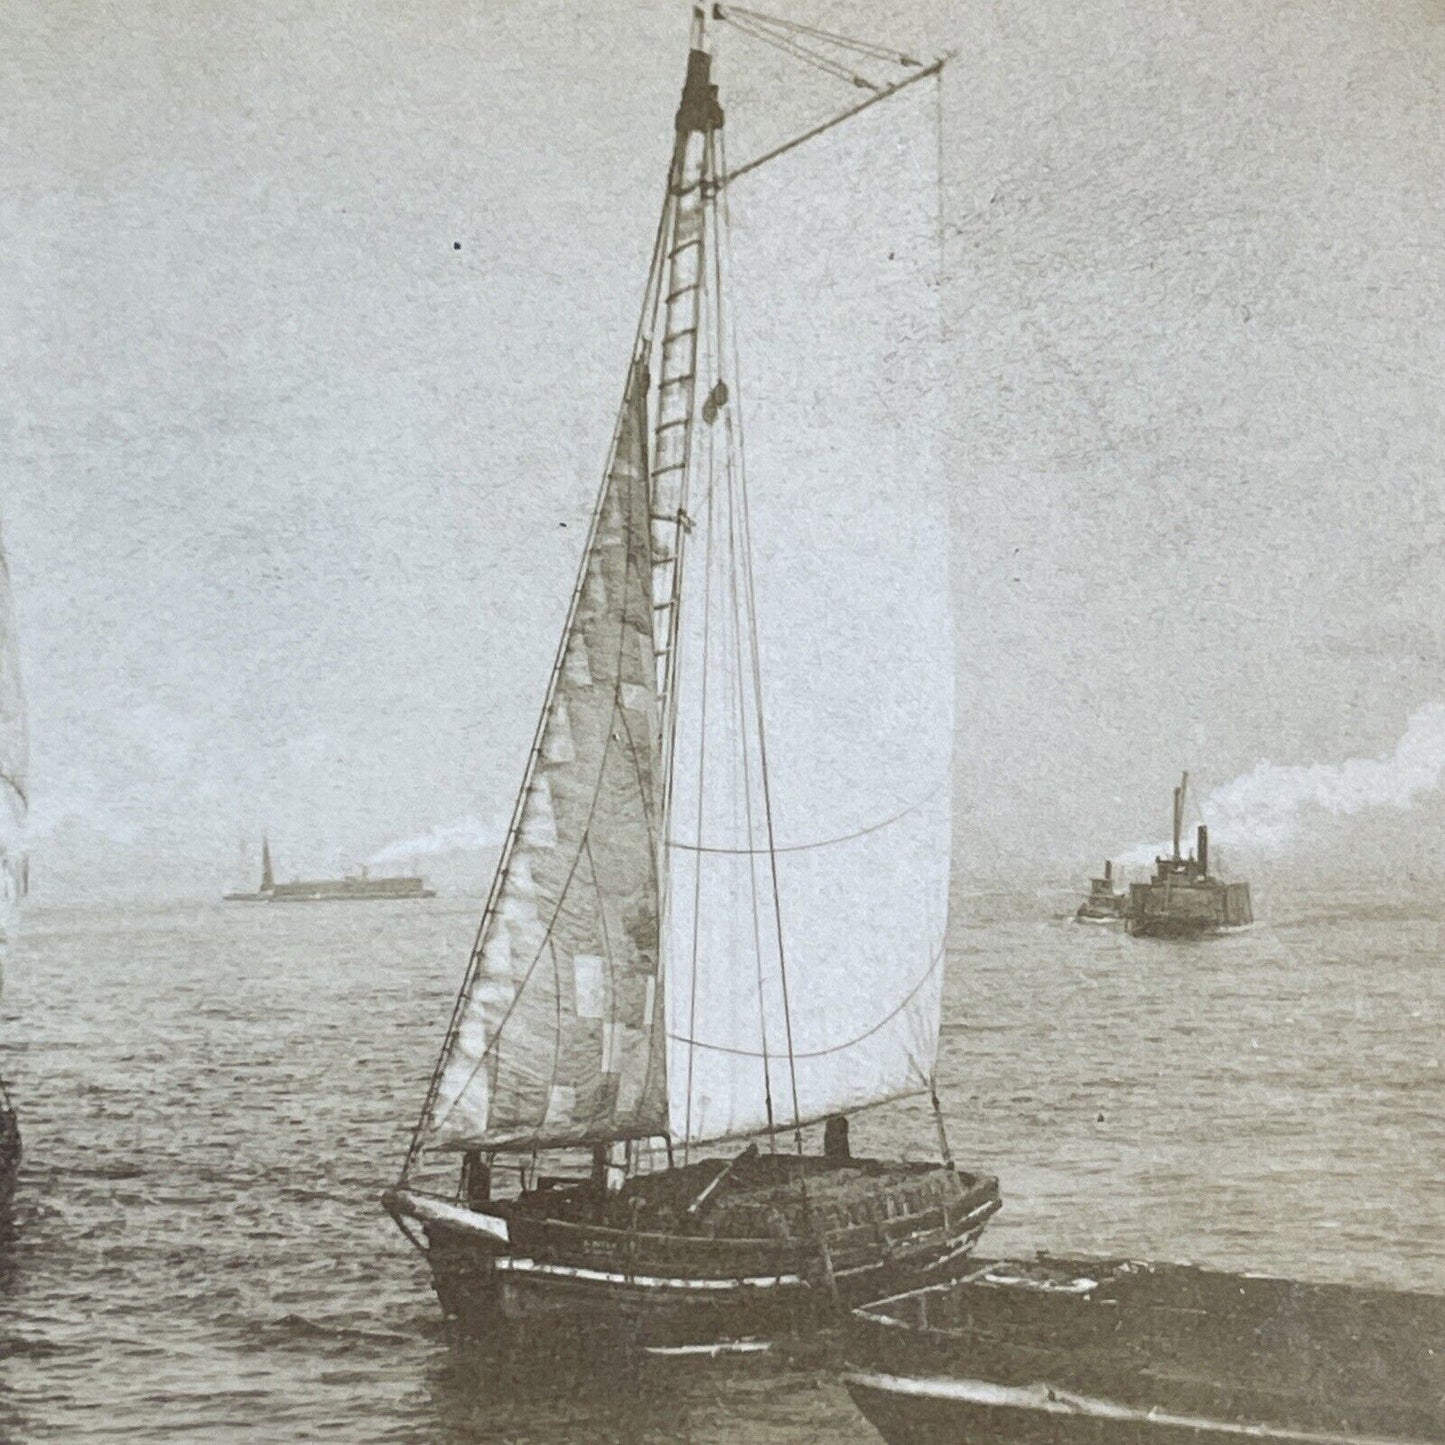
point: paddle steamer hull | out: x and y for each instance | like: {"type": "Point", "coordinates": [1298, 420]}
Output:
{"type": "Point", "coordinates": [1188, 910]}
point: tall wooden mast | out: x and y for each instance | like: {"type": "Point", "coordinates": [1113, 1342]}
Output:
{"type": "Point", "coordinates": [681, 294]}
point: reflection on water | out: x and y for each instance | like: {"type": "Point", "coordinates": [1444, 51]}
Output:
{"type": "Point", "coordinates": [213, 1097]}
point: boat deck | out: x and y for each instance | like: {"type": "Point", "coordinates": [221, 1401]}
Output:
{"type": "Point", "coordinates": [753, 1214]}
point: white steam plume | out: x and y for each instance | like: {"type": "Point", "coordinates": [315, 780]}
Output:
{"type": "Point", "coordinates": [466, 835]}
{"type": "Point", "coordinates": [1262, 810]}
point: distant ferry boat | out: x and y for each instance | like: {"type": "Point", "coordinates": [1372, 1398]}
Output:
{"type": "Point", "coordinates": [357, 888]}
{"type": "Point", "coordinates": [1182, 900]}
{"type": "Point", "coordinates": [1105, 903]}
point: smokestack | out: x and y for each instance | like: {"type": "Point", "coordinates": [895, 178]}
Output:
{"type": "Point", "coordinates": [1108, 871]}
{"type": "Point", "coordinates": [1203, 849]}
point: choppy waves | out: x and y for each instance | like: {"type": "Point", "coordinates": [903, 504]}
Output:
{"type": "Point", "coordinates": [213, 1098]}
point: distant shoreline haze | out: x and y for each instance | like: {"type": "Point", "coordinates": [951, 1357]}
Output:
{"type": "Point", "coordinates": [1047, 886]}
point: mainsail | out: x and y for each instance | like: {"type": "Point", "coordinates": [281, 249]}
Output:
{"type": "Point", "coordinates": [809, 833]}
{"type": "Point", "coordinates": [721, 906]}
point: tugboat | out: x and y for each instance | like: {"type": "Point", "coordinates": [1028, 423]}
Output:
{"type": "Point", "coordinates": [1182, 900]}
{"type": "Point", "coordinates": [1105, 903]}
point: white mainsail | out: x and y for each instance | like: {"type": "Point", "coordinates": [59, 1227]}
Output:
{"type": "Point", "coordinates": [722, 904]}
{"type": "Point", "coordinates": [837, 841]}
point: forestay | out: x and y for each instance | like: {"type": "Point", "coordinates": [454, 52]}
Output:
{"type": "Point", "coordinates": [825, 830]}
{"type": "Point", "coordinates": [554, 1040]}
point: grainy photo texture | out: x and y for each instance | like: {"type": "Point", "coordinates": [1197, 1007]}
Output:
{"type": "Point", "coordinates": [722, 724]}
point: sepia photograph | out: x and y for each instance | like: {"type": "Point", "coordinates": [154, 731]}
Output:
{"type": "Point", "coordinates": [722, 725]}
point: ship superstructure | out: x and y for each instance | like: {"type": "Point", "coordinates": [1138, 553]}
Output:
{"type": "Point", "coordinates": [1183, 899]}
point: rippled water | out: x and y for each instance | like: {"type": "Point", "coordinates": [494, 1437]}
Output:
{"type": "Point", "coordinates": [212, 1098]}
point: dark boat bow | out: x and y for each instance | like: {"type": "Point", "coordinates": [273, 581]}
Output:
{"type": "Point", "coordinates": [1083, 1352]}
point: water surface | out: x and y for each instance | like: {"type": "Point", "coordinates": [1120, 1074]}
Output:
{"type": "Point", "coordinates": [213, 1097]}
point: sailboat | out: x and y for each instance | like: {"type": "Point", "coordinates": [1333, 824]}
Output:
{"type": "Point", "coordinates": [14, 864]}
{"type": "Point", "coordinates": [717, 927]}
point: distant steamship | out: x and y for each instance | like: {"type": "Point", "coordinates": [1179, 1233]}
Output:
{"type": "Point", "coordinates": [1182, 900]}
{"type": "Point", "coordinates": [356, 888]}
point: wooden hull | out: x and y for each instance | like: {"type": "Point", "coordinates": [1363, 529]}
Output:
{"type": "Point", "coordinates": [1073, 1352]}
{"type": "Point", "coordinates": [648, 1310]}
{"type": "Point", "coordinates": [975, 1412]}
{"type": "Point", "coordinates": [892, 1231]}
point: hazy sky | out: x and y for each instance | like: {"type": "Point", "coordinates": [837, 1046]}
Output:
{"type": "Point", "coordinates": [293, 489]}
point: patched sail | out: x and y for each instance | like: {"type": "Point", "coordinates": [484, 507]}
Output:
{"type": "Point", "coordinates": [809, 830]}
{"type": "Point", "coordinates": [557, 1037]}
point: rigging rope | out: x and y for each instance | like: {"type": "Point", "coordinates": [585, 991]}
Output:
{"type": "Point", "coordinates": [641, 343]}
{"type": "Point", "coordinates": [862, 47]}
{"type": "Point", "coordinates": [832, 1048]}
{"type": "Point", "coordinates": [749, 598]}
{"type": "Point", "coordinates": [701, 759]}
{"type": "Point", "coordinates": [741, 687]}
{"type": "Point", "coordinates": [801, 52]}
{"type": "Point", "coordinates": [889, 91]}
{"type": "Point", "coordinates": [806, 847]}
{"type": "Point", "coordinates": [714, 182]}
